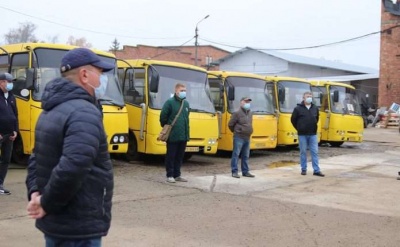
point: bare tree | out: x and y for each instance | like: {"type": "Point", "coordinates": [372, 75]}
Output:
{"type": "Point", "coordinates": [81, 42]}
{"type": "Point", "coordinates": [52, 39]}
{"type": "Point", "coordinates": [24, 33]}
{"type": "Point", "coordinates": [114, 46]}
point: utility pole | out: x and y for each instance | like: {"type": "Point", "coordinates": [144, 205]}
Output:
{"type": "Point", "coordinates": [196, 35]}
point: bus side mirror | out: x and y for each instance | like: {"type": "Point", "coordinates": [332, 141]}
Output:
{"type": "Point", "coordinates": [31, 79]}
{"type": "Point", "coordinates": [231, 93]}
{"type": "Point", "coordinates": [154, 78]}
{"type": "Point", "coordinates": [336, 96]}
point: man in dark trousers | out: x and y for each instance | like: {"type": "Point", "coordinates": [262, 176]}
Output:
{"type": "Point", "coordinates": [8, 126]}
{"type": "Point", "coordinates": [70, 174]}
{"type": "Point", "coordinates": [305, 120]}
{"type": "Point", "coordinates": [176, 143]}
{"type": "Point", "coordinates": [241, 124]}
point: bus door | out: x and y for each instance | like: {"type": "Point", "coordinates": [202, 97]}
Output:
{"type": "Point", "coordinates": [133, 87]}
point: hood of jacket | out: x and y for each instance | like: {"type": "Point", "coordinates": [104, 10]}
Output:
{"type": "Point", "coordinates": [61, 90]}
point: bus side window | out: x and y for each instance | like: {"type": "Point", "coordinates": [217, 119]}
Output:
{"type": "Point", "coordinates": [133, 86]}
{"type": "Point", "coordinates": [19, 64]}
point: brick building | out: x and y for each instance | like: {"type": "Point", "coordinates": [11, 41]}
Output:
{"type": "Point", "coordinates": [184, 54]}
{"type": "Point", "coordinates": [389, 78]}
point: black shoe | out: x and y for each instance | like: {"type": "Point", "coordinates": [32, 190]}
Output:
{"type": "Point", "coordinates": [249, 175]}
{"type": "Point", "coordinates": [303, 173]}
{"type": "Point", "coordinates": [4, 192]}
{"type": "Point", "coordinates": [235, 175]}
{"type": "Point", "coordinates": [319, 174]}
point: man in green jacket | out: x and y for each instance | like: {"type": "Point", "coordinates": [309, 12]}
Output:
{"type": "Point", "coordinates": [179, 136]}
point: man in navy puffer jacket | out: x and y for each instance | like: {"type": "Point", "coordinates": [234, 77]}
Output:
{"type": "Point", "coordinates": [70, 176]}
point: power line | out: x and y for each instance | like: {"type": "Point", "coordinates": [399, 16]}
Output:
{"type": "Point", "coordinates": [306, 47]}
{"type": "Point", "coordinates": [81, 29]}
{"type": "Point", "coordinates": [172, 49]}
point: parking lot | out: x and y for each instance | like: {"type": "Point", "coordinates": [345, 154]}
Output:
{"type": "Point", "coordinates": [356, 204]}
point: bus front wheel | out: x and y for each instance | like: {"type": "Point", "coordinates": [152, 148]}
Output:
{"type": "Point", "coordinates": [132, 153]}
{"type": "Point", "coordinates": [18, 155]}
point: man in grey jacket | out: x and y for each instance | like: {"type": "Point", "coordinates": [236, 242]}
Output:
{"type": "Point", "coordinates": [241, 124]}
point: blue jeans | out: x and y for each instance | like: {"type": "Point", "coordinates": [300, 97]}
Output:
{"type": "Point", "coordinates": [59, 242]}
{"type": "Point", "coordinates": [174, 158]}
{"type": "Point", "coordinates": [6, 149]}
{"type": "Point", "coordinates": [310, 142]}
{"type": "Point", "coordinates": [240, 146]}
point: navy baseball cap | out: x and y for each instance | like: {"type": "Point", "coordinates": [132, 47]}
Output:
{"type": "Point", "coordinates": [82, 56]}
{"type": "Point", "coordinates": [6, 77]}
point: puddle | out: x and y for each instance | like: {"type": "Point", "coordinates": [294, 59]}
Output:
{"type": "Point", "coordinates": [283, 163]}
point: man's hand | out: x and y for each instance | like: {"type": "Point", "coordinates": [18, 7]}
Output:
{"type": "Point", "coordinates": [35, 210]}
{"type": "Point", "coordinates": [12, 138]}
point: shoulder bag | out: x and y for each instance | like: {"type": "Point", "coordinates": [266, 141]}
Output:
{"type": "Point", "coordinates": [166, 130]}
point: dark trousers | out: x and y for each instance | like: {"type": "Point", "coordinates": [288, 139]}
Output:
{"type": "Point", "coordinates": [174, 158]}
{"type": "Point", "coordinates": [6, 149]}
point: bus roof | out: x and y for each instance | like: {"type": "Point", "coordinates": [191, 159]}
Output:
{"type": "Point", "coordinates": [285, 78]}
{"type": "Point", "coordinates": [21, 47]}
{"type": "Point", "coordinates": [141, 62]}
{"type": "Point", "coordinates": [235, 74]}
{"type": "Point", "coordinates": [323, 83]}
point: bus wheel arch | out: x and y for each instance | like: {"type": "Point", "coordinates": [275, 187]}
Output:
{"type": "Point", "coordinates": [132, 153]}
{"type": "Point", "coordinates": [336, 144]}
{"type": "Point", "coordinates": [18, 156]}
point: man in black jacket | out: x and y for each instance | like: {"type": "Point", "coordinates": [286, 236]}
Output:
{"type": "Point", "coordinates": [305, 120]}
{"type": "Point", "coordinates": [8, 126]}
{"type": "Point", "coordinates": [70, 176]}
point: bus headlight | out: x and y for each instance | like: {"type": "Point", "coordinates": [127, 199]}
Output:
{"type": "Point", "coordinates": [115, 139]}
{"type": "Point", "coordinates": [212, 141]}
{"type": "Point", "coordinates": [119, 138]}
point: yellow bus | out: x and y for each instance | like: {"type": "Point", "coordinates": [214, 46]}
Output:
{"type": "Point", "coordinates": [146, 85]}
{"type": "Point", "coordinates": [33, 65]}
{"type": "Point", "coordinates": [288, 93]}
{"type": "Point", "coordinates": [340, 112]}
{"type": "Point", "coordinates": [227, 88]}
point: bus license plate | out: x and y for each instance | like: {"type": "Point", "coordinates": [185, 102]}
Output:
{"type": "Point", "coordinates": [192, 149]}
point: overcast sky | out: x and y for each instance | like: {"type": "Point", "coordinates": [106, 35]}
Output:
{"type": "Point", "coordinates": [232, 24]}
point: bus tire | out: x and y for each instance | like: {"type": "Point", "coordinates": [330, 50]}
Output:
{"type": "Point", "coordinates": [18, 156]}
{"type": "Point", "coordinates": [132, 153]}
{"type": "Point", "coordinates": [336, 144]}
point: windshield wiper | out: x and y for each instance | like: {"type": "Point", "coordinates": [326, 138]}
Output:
{"type": "Point", "coordinates": [198, 110]}
{"type": "Point", "coordinates": [263, 111]}
{"type": "Point", "coordinates": [111, 102]}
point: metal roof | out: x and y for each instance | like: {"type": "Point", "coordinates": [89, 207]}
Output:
{"type": "Point", "coordinates": [346, 77]}
{"type": "Point", "coordinates": [307, 61]}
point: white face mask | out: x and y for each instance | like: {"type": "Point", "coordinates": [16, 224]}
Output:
{"type": "Point", "coordinates": [100, 91]}
{"type": "Point", "coordinates": [308, 100]}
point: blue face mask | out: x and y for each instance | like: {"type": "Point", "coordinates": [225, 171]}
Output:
{"type": "Point", "coordinates": [308, 100]}
{"type": "Point", "coordinates": [100, 91]}
{"type": "Point", "coordinates": [182, 95]}
{"type": "Point", "coordinates": [9, 86]}
{"type": "Point", "coordinates": [246, 106]}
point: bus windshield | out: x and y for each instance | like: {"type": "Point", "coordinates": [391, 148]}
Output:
{"type": "Point", "coordinates": [48, 68]}
{"type": "Point", "coordinates": [346, 102]}
{"type": "Point", "coordinates": [256, 89]}
{"type": "Point", "coordinates": [290, 93]}
{"type": "Point", "coordinates": [197, 88]}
